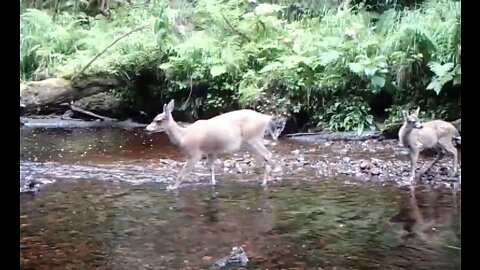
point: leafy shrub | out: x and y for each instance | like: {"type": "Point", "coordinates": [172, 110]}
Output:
{"type": "Point", "coordinates": [318, 58]}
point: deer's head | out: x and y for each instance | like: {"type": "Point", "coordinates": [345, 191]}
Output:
{"type": "Point", "coordinates": [412, 119]}
{"type": "Point", "coordinates": [160, 122]}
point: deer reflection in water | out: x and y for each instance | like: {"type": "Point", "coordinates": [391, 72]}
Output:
{"type": "Point", "coordinates": [424, 214]}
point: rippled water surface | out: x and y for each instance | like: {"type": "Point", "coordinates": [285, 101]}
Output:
{"type": "Point", "coordinates": [107, 208]}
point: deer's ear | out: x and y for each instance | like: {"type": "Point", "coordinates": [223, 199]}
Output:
{"type": "Point", "coordinates": [165, 111]}
{"type": "Point", "coordinates": [404, 114]}
{"type": "Point", "coordinates": [170, 106]}
{"type": "Point", "coordinates": [417, 111]}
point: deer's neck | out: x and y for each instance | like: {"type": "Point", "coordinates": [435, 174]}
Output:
{"type": "Point", "coordinates": [404, 135]}
{"type": "Point", "coordinates": [175, 132]}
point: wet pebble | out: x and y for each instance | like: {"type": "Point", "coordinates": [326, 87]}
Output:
{"type": "Point", "coordinates": [295, 152]}
{"type": "Point", "coordinates": [375, 171]}
{"type": "Point", "coordinates": [364, 165]}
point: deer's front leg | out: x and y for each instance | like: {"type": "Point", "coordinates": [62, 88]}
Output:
{"type": "Point", "coordinates": [413, 164]}
{"type": "Point", "coordinates": [185, 169]}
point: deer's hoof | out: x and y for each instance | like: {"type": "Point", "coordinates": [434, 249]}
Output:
{"type": "Point", "coordinates": [172, 187]}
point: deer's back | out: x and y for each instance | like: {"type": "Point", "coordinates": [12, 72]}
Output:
{"type": "Point", "coordinates": [441, 128]}
{"type": "Point", "coordinates": [226, 132]}
{"type": "Point", "coordinates": [431, 133]}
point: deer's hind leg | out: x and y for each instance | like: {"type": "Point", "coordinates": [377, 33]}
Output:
{"type": "Point", "coordinates": [448, 146]}
{"type": "Point", "coordinates": [211, 164]}
{"type": "Point", "coordinates": [438, 158]}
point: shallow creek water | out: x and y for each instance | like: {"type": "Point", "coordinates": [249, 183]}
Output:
{"type": "Point", "coordinates": [103, 205]}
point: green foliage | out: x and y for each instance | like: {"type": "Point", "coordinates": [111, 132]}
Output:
{"type": "Point", "coordinates": [248, 48]}
{"type": "Point", "coordinates": [443, 74]}
{"type": "Point", "coordinates": [312, 56]}
{"type": "Point", "coordinates": [348, 115]}
{"type": "Point", "coordinates": [64, 46]}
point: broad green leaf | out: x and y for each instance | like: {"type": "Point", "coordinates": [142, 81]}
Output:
{"type": "Point", "coordinates": [356, 67]}
{"type": "Point", "coordinates": [175, 59]}
{"type": "Point", "coordinates": [380, 59]}
{"type": "Point", "coordinates": [383, 70]}
{"type": "Point", "coordinates": [165, 66]}
{"type": "Point", "coordinates": [248, 15]}
{"type": "Point", "coordinates": [329, 57]}
{"type": "Point", "coordinates": [370, 71]}
{"type": "Point", "coordinates": [458, 70]}
{"type": "Point", "coordinates": [264, 9]}
{"type": "Point", "coordinates": [369, 119]}
{"type": "Point", "coordinates": [457, 80]}
{"type": "Point", "coordinates": [360, 129]}
{"type": "Point", "coordinates": [217, 70]}
{"type": "Point", "coordinates": [439, 69]}
{"type": "Point", "coordinates": [292, 61]}
{"type": "Point", "coordinates": [446, 78]}
{"type": "Point", "coordinates": [435, 85]}
{"type": "Point", "coordinates": [378, 81]}
{"type": "Point", "coordinates": [271, 67]}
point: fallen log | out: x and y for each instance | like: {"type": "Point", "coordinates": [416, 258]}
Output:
{"type": "Point", "coordinates": [40, 95]}
{"type": "Point", "coordinates": [59, 123]}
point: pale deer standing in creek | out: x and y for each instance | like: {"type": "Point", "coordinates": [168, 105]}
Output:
{"type": "Point", "coordinates": [224, 133]}
{"type": "Point", "coordinates": [417, 136]}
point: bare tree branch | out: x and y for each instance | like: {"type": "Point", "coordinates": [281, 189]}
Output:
{"type": "Point", "coordinates": [106, 48]}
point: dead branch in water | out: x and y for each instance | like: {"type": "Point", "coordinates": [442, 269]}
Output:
{"type": "Point", "coordinates": [82, 111]}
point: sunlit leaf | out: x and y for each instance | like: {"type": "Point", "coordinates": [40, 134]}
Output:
{"type": "Point", "coordinates": [370, 71]}
{"type": "Point", "coordinates": [329, 57]}
{"type": "Point", "coordinates": [435, 85]}
{"type": "Point", "coordinates": [263, 9]}
{"type": "Point", "coordinates": [217, 70]}
{"type": "Point", "coordinates": [356, 67]}
{"type": "Point", "coordinates": [439, 69]}
{"type": "Point", "coordinates": [378, 81]}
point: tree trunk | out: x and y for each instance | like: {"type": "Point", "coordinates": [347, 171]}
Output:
{"type": "Point", "coordinates": [40, 95]}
